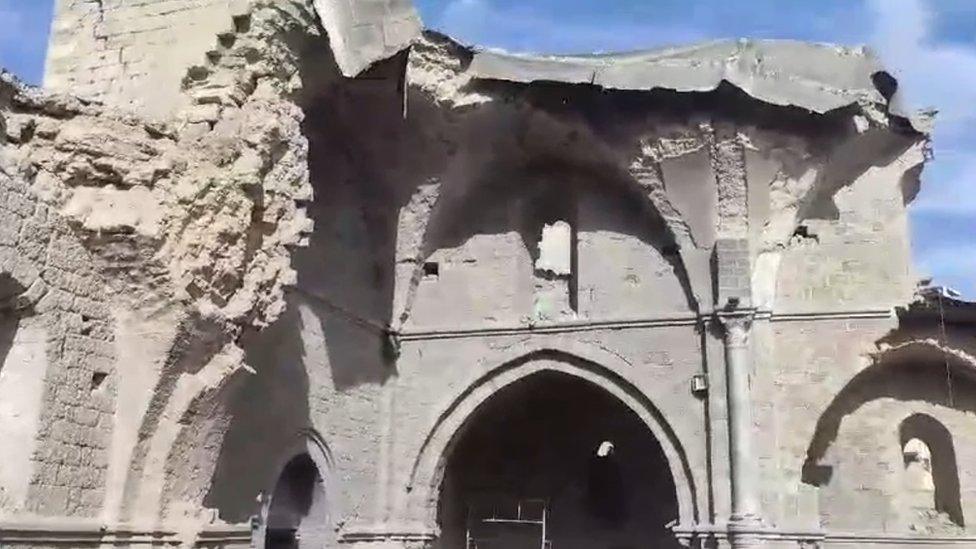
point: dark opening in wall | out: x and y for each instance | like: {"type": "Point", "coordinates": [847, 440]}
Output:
{"type": "Point", "coordinates": [242, 23]}
{"type": "Point", "coordinates": [298, 516]}
{"type": "Point", "coordinates": [86, 326]}
{"type": "Point", "coordinates": [606, 493]}
{"type": "Point", "coordinates": [930, 456]}
{"type": "Point", "coordinates": [98, 380]}
{"type": "Point", "coordinates": [803, 233]}
{"type": "Point", "coordinates": [558, 448]}
{"type": "Point", "coordinates": [432, 270]}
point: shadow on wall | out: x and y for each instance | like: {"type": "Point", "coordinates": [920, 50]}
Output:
{"type": "Point", "coordinates": [8, 332]}
{"type": "Point", "coordinates": [522, 198]}
{"type": "Point", "coordinates": [909, 378]}
{"type": "Point", "coordinates": [333, 325]}
{"type": "Point", "coordinates": [10, 289]}
{"type": "Point", "coordinates": [268, 413]}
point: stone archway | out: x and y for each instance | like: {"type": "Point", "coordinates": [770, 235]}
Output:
{"type": "Point", "coordinates": [901, 411]}
{"type": "Point", "coordinates": [430, 470]}
{"type": "Point", "coordinates": [555, 459]}
{"type": "Point", "coordinates": [298, 514]}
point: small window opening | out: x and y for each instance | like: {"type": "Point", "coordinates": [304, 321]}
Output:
{"type": "Point", "coordinates": [555, 249]}
{"type": "Point", "coordinates": [930, 478]}
{"type": "Point", "coordinates": [605, 449]}
{"type": "Point", "coordinates": [98, 380]}
{"type": "Point", "coordinates": [556, 267]}
{"type": "Point", "coordinates": [918, 466]}
{"type": "Point", "coordinates": [550, 233]}
{"type": "Point", "coordinates": [432, 270]}
{"type": "Point", "coordinates": [297, 515]}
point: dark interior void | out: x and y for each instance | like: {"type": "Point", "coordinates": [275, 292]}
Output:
{"type": "Point", "coordinates": [944, 469]}
{"type": "Point", "coordinates": [297, 517]}
{"type": "Point", "coordinates": [538, 452]}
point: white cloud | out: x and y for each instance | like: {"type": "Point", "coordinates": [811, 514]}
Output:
{"type": "Point", "coordinates": [943, 76]}
{"type": "Point", "coordinates": [931, 74]}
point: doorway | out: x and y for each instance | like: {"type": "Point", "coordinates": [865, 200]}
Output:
{"type": "Point", "coordinates": [298, 515]}
{"type": "Point", "coordinates": [556, 462]}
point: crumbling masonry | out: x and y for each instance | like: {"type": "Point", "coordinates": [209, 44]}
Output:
{"type": "Point", "coordinates": [302, 274]}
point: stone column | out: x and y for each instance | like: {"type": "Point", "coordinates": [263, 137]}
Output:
{"type": "Point", "coordinates": [745, 482]}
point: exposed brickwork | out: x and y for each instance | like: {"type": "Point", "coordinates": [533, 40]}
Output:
{"type": "Point", "coordinates": [158, 255]}
{"type": "Point", "coordinates": [38, 248]}
{"type": "Point", "coordinates": [128, 51]}
{"type": "Point", "coordinates": [732, 261]}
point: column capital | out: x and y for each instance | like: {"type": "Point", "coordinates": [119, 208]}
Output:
{"type": "Point", "coordinates": [737, 324]}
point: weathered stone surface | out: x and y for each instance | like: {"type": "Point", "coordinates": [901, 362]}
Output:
{"type": "Point", "coordinates": [241, 274]}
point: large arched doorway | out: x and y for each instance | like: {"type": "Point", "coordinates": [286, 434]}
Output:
{"type": "Point", "coordinates": [555, 461]}
{"type": "Point", "coordinates": [298, 515]}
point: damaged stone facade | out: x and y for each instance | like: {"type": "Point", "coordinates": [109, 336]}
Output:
{"type": "Point", "coordinates": [300, 274]}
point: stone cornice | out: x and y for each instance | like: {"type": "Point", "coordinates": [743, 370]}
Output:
{"type": "Point", "coordinates": [74, 533]}
{"type": "Point", "coordinates": [663, 321]}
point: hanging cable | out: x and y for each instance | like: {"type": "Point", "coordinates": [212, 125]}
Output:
{"type": "Point", "coordinates": [945, 353]}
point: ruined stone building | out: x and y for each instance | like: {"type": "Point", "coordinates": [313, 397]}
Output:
{"type": "Point", "coordinates": [301, 274]}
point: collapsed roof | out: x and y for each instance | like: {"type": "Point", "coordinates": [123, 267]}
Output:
{"type": "Point", "coordinates": [815, 77]}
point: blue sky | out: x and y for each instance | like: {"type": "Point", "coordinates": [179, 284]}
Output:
{"type": "Point", "coordinates": [929, 44]}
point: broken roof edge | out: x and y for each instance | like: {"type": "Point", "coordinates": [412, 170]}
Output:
{"type": "Point", "coordinates": [14, 91]}
{"type": "Point", "coordinates": [361, 34]}
{"type": "Point", "coordinates": [816, 77]}
{"type": "Point", "coordinates": [940, 304]}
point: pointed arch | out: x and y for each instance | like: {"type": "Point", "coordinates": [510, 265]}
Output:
{"type": "Point", "coordinates": [429, 466]}
{"type": "Point", "coordinates": [944, 468]}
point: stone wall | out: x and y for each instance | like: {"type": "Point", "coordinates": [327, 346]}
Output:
{"type": "Point", "coordinates": [64, 304]}
{"type": "Point", "coordinates": [196, 334]}
{"type": "Point", "coordinates": [133, 53]}
{"type": "Point", "coordinates": [136, 52]}
{"type": "Point", "coordinates": [85, 191]}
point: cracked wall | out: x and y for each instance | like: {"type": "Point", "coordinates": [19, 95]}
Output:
{"type": "Point", "coordinates": [187, 239]}
{"type": "Point", "coordinates": [281, 259]}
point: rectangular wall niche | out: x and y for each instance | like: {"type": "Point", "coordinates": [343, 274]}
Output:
{"type": "Point", "coordinates": [555, 249]}
{"type": "Point", "coordinates": [555, 272]}
{"type": "Point", "coordinates": [432, 270]}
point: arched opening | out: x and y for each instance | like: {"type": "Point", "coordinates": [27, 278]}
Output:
{"type": "Point", "coordinates": [298, 513]}
{"type": "Point", "coordinates": [931, 475]}
{"type": "Point", "coordinates": [555, 461]}
{"type": "Point", "coordinates": [854, 469]}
